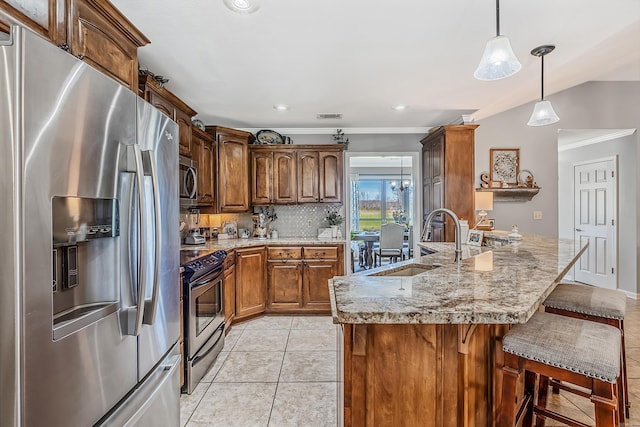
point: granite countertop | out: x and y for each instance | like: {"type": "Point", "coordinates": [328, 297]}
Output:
{"type": "Point", "coordinates": [491, 285]}
{"type": "Point", "coordinates": [189, 253]}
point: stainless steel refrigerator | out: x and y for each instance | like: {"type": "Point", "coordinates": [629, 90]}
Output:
{"type": "Point", "coordinates": [89, 314]}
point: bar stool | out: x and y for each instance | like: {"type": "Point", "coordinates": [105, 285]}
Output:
{"type": "Point", "coordinates": [586, 354]}
{"type": "Point", "coordinates": [606, 306]}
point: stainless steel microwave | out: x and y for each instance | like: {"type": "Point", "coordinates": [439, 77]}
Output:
{"type": "Point", "coordinates": [188, 181]}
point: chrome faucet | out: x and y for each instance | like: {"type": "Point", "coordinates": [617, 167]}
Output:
{"type": "Point", "coordinates": [456, 220]}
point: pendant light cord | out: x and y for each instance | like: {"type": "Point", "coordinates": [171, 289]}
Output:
{"type": "Point", "coordinates": [542, 79]}
{"type": "Point", "coordinates": [497, 17]}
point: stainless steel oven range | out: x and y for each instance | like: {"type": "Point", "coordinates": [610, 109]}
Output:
{"type": "Point", "coordinates": [203, 315]}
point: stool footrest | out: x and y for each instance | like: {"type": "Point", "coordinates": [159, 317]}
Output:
{"type": "Point", "coordinates": [571, 389]}
{"type": "Point", "coordinates": [558, 417]}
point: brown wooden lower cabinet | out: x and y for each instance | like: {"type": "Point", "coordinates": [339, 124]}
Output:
{"type": "Point", "coordinates": [297, 278]}
{"type": "Point", "coordinates": [229, 289]}
{"type": "Point", "coordinates": [421, 375]}
{"type": "Point", "coordinates": [251, 282]}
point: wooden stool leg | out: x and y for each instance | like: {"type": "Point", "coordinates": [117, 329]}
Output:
{"type": "Point", "coordinates": [625, 388]}
{"type": "Point", "coordinates": [530, 392]}
{"type": "Point", "coordinates": [604, 399]}
{"type": "Point", "coordinates": [510, 375]}
{"type": "Point", "coordinates": [543, 390]}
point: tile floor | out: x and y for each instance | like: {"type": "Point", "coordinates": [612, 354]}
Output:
{"type": "Point", "coordinates": [281, 372]}
{"type": "Point", "coordinates": [273, 371]}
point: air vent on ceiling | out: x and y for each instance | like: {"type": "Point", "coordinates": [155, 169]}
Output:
{"type": "Point", "coordinates": [322, 116]}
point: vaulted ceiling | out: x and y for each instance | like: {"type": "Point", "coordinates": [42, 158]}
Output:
{"type": "Point", "coordinates": [361, 57]}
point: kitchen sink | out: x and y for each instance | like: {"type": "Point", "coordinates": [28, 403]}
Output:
{"type": "Point", "coordinates": [406, 270]}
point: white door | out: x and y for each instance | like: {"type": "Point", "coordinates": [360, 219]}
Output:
{"type": "Point", "coordinates": [595, 221]}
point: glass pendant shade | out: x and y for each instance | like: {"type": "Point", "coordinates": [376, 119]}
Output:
{"type": "Point", "coordinates": [498, 60]}
{"type": "Point", "coordinates": [543, 114]}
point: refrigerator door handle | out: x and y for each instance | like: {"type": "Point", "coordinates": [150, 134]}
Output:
{"type": "Point", "coordinates": [135, 165]}
{"type": "Point", "coordinates": [150, 169]}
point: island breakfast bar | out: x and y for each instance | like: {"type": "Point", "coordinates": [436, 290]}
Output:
{"type": "Point", "coordinates": [420, 341]}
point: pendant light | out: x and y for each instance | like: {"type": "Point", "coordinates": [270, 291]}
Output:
{"type": "Point", "coordinates": [404, 185]}
{"type": "Point", "coordinates": [543, 113]}
{"type": "Point", "coordinates": [498, 60]}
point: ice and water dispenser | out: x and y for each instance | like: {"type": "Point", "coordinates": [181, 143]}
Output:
{"type": "Point", "coordinates": [85, 260]}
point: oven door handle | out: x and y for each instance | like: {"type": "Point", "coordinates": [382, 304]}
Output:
{"type": "Point", "coordinates": [209, 346]}
{"type": "Point", "coordinates": [211, 277]}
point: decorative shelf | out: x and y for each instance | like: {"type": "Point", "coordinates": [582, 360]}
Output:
{"type": "Point", "coordinates": [511, 194]}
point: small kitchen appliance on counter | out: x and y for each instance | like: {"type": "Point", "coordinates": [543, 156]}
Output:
{"type": "Point", "coordinates": [260, 226]}
{"type": "Point", "coordinates": [194, 237]}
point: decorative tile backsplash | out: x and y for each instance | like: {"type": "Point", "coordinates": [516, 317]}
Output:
{"type": "Point", "coordinates": [292, 221]}
{"type": "Point", "coordinates": [303, 220]}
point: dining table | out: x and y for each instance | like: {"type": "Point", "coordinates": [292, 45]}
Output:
{"type": "Point", "coordinates": [368, 237]}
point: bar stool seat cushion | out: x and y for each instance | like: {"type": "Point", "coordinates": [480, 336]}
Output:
{"type": "Point", "coordinates": [575, 345]}
{"type": "Point", "coordinates": [590, 300]}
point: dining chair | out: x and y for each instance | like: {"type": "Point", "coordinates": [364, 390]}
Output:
{"type": "Point", "coordinates": [407, 247]}
{"type": "Point", "coordinates": [391, 240]}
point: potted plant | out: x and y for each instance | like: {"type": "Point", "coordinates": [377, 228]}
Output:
{"type": "Point", "coordinates": [334, 219]}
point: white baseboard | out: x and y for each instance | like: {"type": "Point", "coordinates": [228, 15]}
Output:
{"type": "Point", "coordinates": [631, 295]}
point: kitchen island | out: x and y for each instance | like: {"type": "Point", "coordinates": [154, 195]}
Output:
{"type": "Point", "coordinates": [421, 340]}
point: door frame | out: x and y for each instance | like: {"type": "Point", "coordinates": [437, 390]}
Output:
{"type": "Point", "coordinates": [416, 178]}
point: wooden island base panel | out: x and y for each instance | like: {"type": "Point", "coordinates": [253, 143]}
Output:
{"type": "Point", "coordinates": [426, 350]}
{"type": "Point", "coordinates": [422, 375]}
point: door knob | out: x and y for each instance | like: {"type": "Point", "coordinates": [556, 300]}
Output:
{"type": "Point", "coordinates": [579, 229]}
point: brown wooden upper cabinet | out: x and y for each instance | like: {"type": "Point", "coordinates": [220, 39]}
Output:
{"type": "Point", "coordinates": [233, 168]}
{"type": "Point", "coordinates": [172, 106]}
{"type": "Point", "coordinates": [273, 177]}
{"type": "Point", "coordinates": [291, 174]}
{"type": "Point", "coordinates": [202, 149]}
{"type": "Point", "coordinates": [447, 177]}
{"type": "Point", "coordinates": [93, 30]}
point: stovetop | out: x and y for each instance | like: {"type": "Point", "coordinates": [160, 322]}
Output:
{"type": "Point", "coordinates": [202, 265]}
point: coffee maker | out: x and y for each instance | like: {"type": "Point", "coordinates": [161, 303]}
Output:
{"type": "Point", "coordinates": [259, 226]}
{"type": "Point", "coordinates": [194, 237]}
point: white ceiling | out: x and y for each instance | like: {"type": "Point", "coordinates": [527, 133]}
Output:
{"type": "Point", "coordinates": [361, 57]}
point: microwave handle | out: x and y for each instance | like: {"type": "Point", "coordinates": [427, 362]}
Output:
{"type": "Point", "coordinates": [150, 169]}
{"type": "Point", "coordinates": [191, 171]}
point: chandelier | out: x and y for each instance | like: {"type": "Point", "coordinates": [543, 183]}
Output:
{"type": "Point", "coordinates": [404, 185]}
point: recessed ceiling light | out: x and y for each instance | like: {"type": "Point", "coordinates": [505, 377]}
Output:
{"type": "Point", "coordinates": [281, 107]}
{"type": "Point", "coordinates": [400, 107]}
{"type": "Point", "coordinates": [243, 6]}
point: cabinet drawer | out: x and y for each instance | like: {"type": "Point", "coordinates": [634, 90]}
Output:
{"type": "Point", "coordinates": [320, 252]}
{"type": "Point", "coordinates": [284, 253]}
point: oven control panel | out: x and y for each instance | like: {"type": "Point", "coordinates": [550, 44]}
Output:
{"type": "Point", "coordinates": [203, 265]}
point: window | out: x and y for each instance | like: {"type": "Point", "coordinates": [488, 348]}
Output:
{"type": "Point", "coordinates": [378, 202]}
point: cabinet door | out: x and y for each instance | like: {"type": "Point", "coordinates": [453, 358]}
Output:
{"type": "Point", "coordinates": [308, 170]}
{"type": "Point", "coordinates": [261, 177]}
{"type": "Point", "coordinates": [284, 285]}
{"type": "Point", "coordinates": [183, 120]}
{"type": "Point", "coordinates": [315, 291]}
{"type": "Point", "coordinates": [102, 37]}
{"type": "Point", "coordinates": [330, 176]}
{"type": "Point", "coordinates": [233, 174]}
{"type": "Point", "coordinates": [250, 282]}
{"type": "Point", "coordinates": [38, 15]}
{"type": "Point", "coordinates": [162, 104]}
{"type": "Point", "coordinates": [229, 295]}
{"type": "Point", "coordinates": [202, 152]}
{"type": "Point", "coordinates": [284, 178]}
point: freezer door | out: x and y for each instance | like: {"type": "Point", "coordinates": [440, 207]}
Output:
{"type": "Point", "coordinates": [75, 121]}
{"type": "Point", "coordinates": [156, 402]}
{"type": "Point", "coordinates": [157, 137]}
